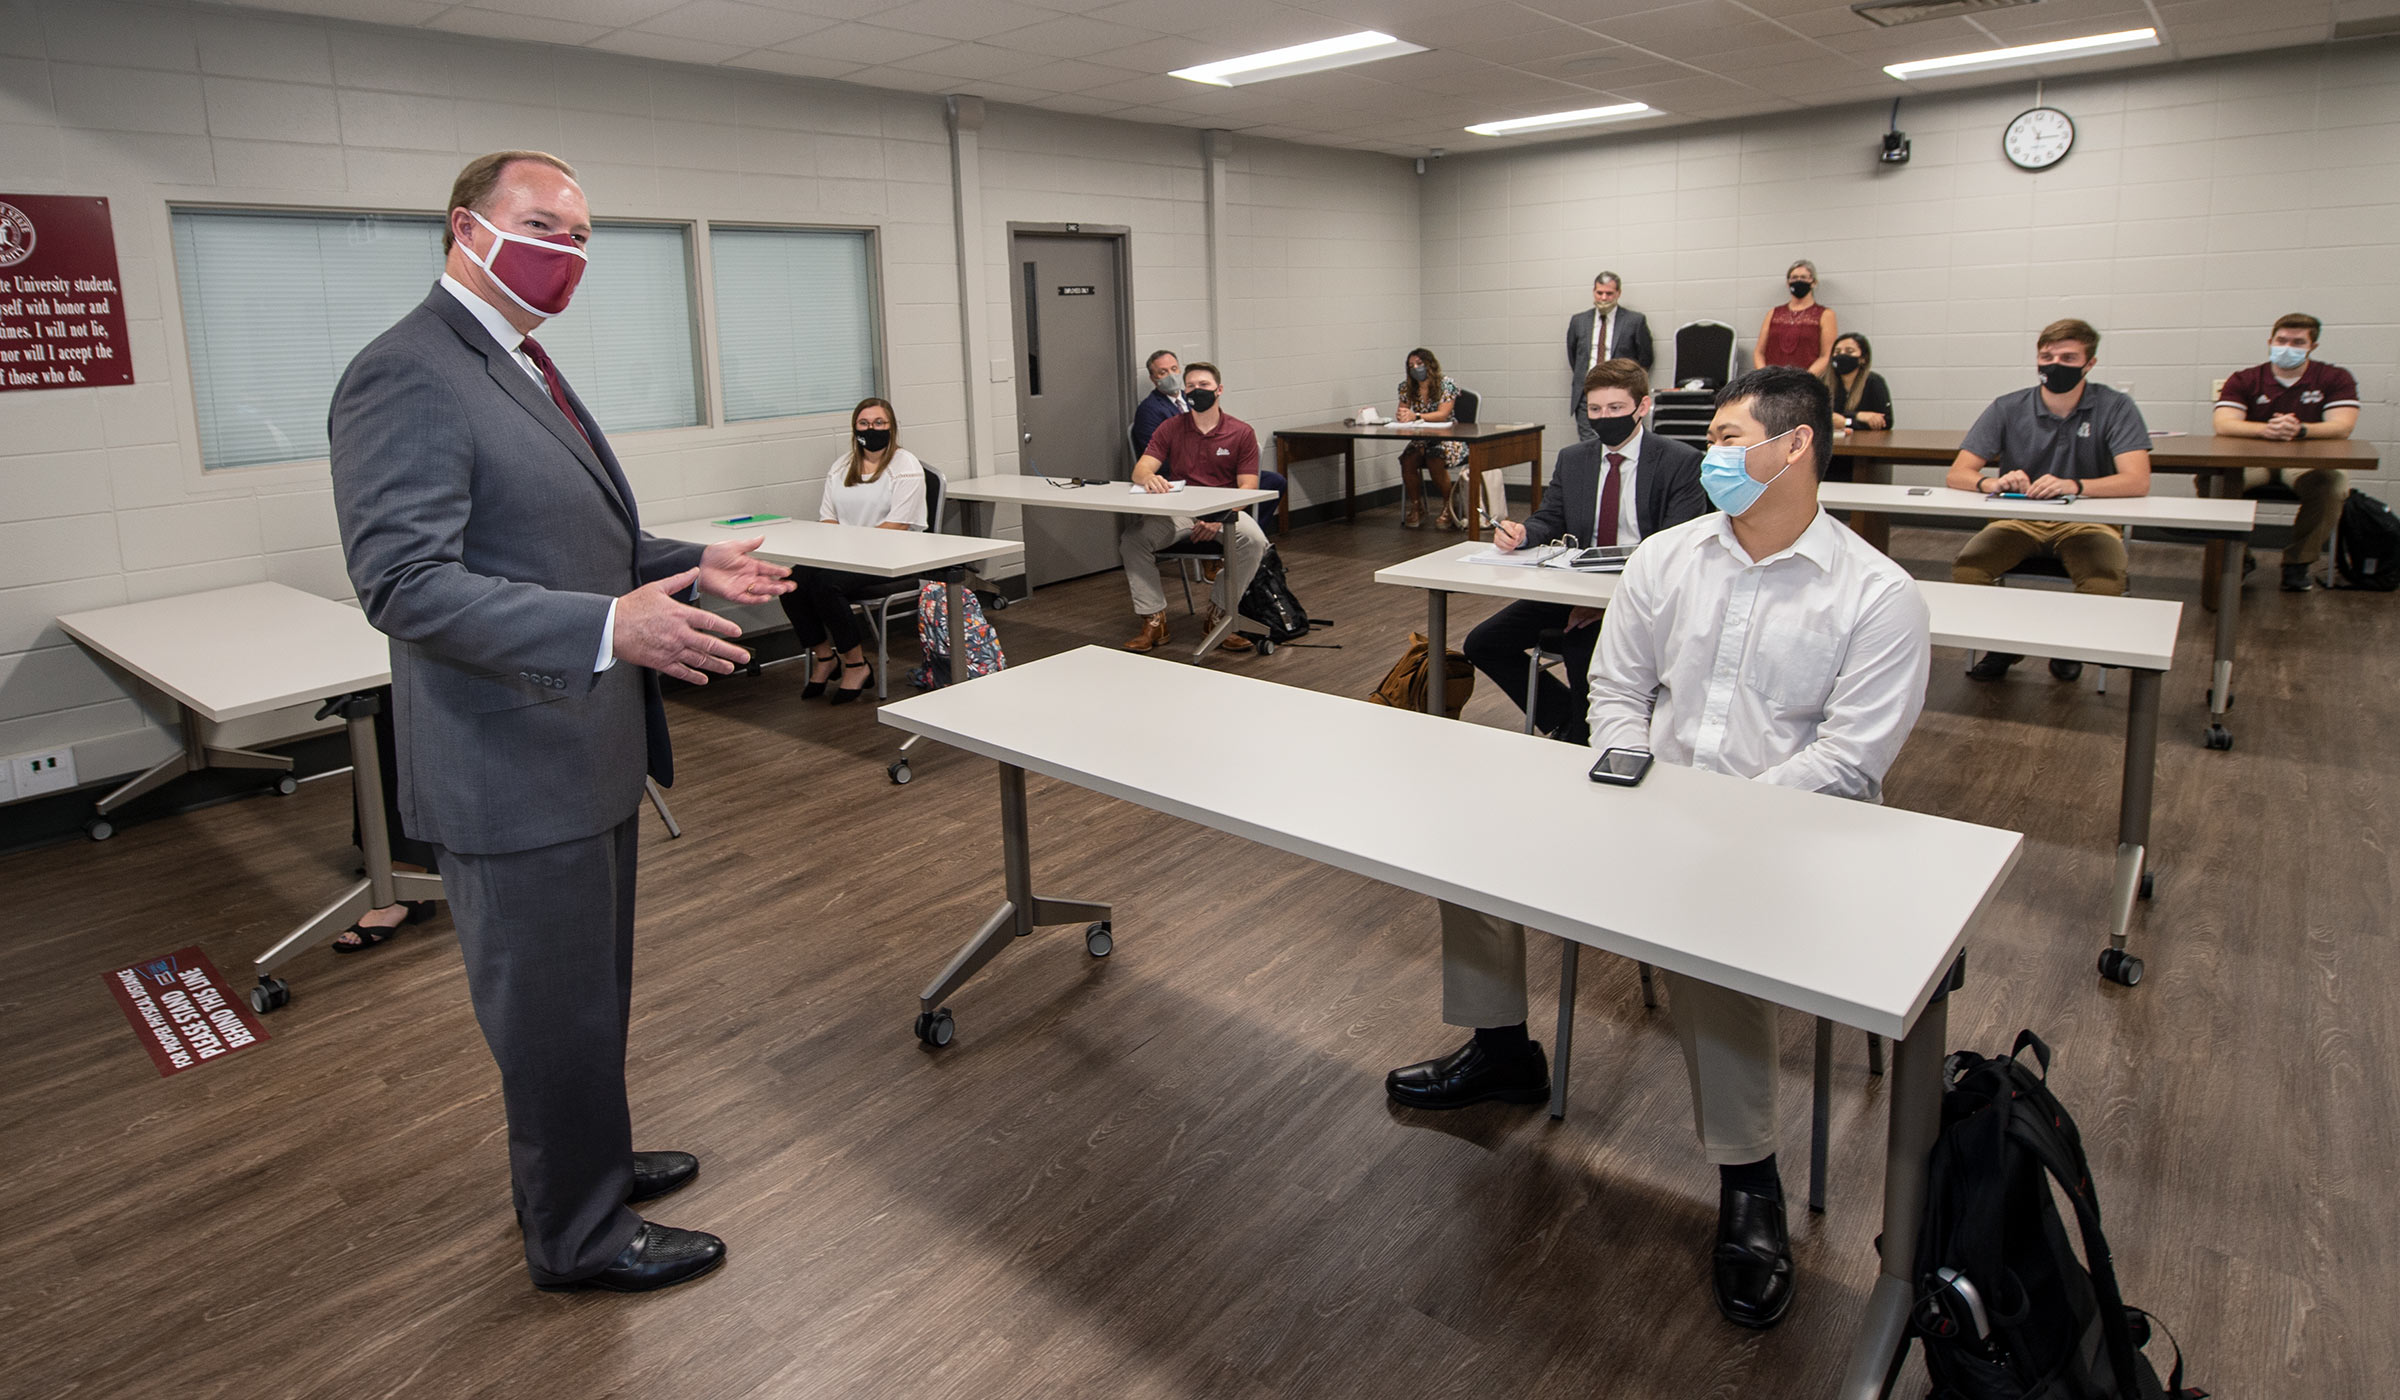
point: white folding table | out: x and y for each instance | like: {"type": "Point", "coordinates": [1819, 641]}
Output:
{"type": "Point", "coordinates": [2225, 519]}
{"type": "Point", "coordinates": [2135, 633]}
{"type": "Point", "coordinates": [1849, 911]}
{"type": "Point", "coordinates": [234, 652]}
{"type": "Point", "coordinates": [980, 498]}
{"type": "Point", "coordinates": [860, 549]}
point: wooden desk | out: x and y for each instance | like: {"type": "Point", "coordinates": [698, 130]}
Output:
{"type": "Point", "coordinates": [1490, 447]}
{"type": "Point", "coordinates": [1860, 919]}
{"type": "Point", "coordinates": [2205, 454]}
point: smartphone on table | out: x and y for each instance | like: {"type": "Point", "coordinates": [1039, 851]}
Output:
{"type": "Point", "coordinates": [1622, 767]}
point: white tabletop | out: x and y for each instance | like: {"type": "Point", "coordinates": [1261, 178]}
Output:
{"type": "Point", "coordinates": [1116, 496]}
{"type": "Point", "coordinates": [2043, 622]}
{"type": "Point", "coordinates": [1841, 909]}
{"type": "Point", "coordinates": [2164, 512]}
{"type": "Point", "coordinates": [240, 651]}
{"type": "Point", "coordinates": [855, 549]}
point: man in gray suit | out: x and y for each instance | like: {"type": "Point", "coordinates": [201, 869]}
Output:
{"type": "Point", "coordinates": [491, 535]}
{"type": "Point", "coordinates": [1607, 332]}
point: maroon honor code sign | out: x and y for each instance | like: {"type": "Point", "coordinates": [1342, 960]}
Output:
{"type": "Point", "coordinates": [62, 315]}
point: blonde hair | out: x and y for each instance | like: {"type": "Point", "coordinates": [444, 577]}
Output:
{"type": "Point", "coordinates": [858, 455]}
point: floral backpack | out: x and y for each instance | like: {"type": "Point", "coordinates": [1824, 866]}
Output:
{"type": "Point", "coordinates": [933, 636]}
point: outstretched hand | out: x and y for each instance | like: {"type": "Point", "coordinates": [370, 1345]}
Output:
{"type": "Point", "coordinates": [676, 639]}
{"type": "Point", "coordinates": [729, 571]}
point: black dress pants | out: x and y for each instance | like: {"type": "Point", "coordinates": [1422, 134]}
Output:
{"type": "Point", "coordinates": [547, 935]}
{"type": "Point", "coordinates": [1498, 645]}
{"type": "Point", "coordinates": [819, 606]}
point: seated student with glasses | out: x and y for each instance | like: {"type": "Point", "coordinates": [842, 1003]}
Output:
{"type": "Point", "coordinates": [2069, 435]}
{"type": "Point", "coordinates": [1205, 447]}
{"type": "Point", "coordinates": [1767, 642]}
{"type": "Point", "coordinates": [877, 483]}
{"type": "Point", "coordinates": [1611, 488]}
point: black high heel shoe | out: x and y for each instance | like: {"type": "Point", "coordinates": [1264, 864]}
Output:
{"type": "Point", "coordinates": [842, 694]}
{"type": "Point", "coordinates": [815, 687]}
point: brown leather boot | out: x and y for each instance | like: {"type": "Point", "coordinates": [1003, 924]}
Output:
{"type": "Point", "coordinates": [1153, 634]}
{"type": "Point", "coordinates": [1234, 641]}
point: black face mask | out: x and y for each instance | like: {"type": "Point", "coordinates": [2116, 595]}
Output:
{"type": "Point", "coordinates": [1201, 400]}
{"type": "Point", "coordinates": [874, 439]}
{"type": "Point", "coordinates": [1845, 364]}
{"type": "Point", "coordinates": [1614, 428]}
{"type": "Point", "coordinates": [2061, 379]}
{"type": "Point", "coordinates": [1801, 289]}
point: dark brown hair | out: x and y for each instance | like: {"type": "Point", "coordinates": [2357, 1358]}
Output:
{"type": "Point", "coordinates": [858, 455]}
{"type": "Point", "coordinates": [1619, 373]}
{"type": "Point", "coordinates": [1430, 392]}
{"type": "Point", "coordinates": [2069, 328]}
{"type": "Point", "coordinates": [2299, 321]}
{"type": "Point", "coordinates": [1833, 381]}
{"type": "Point", "coordinates": [474, 185]}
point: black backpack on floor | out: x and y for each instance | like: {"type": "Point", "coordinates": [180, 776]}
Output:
{"type": "Point", "coordinates": [2004, 1307]}
{"type": "Point", "coordinates": [1269, 601]}
{"type": "Point", "coordinates": [2366, 545]}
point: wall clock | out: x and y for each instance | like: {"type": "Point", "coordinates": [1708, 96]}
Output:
{"type": "Point", "coordinates": [2038, 138]}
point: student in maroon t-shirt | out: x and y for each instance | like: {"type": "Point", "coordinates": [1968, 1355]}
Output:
{"type": "Point", "coordinates": [2293, 397]}
{"type": "Point", "coordinates": [1205, 447]}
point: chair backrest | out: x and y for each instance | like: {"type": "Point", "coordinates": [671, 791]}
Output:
{"type": "Point", "coordinates": [1703, 354]}
{"type": "Point", "coordinates": [1465, 405]}
{"type": "Point", "coordinates": [936, 487]}
{"type": "Point", "coordinates": [1130, 429]}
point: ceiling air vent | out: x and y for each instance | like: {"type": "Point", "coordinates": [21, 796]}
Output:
{"type": "Point", "coordinates": [1890, 12]}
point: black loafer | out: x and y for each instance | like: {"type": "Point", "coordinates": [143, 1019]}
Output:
{"type": "Point", "coordinates": [1993, 666]}
{"type": "Point", "coordinates": [2296, 579]}
{"type": "Point", "coordinates": [657, 1173]}
{"type": "Point", "coordinates": [1471, 1074]}
{"type": "Point", "coordinates": [660, 1256]}
{"type": "Point", "coordinates": [2066, 670]}
{"type": "Point", "coordinates": [1752, 1266]}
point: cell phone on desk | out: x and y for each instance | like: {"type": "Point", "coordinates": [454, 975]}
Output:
{"type": "Point", "coordinates": [1622, 767]}
{"type": "Point", "coordinates": [1920, 490]}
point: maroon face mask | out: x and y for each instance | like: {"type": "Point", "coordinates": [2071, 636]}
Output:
{"type": "Point", "coordinates": [538, 274]}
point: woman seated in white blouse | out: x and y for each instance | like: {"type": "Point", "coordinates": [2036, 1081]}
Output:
{"type": "Point", "coordinates": [878, 483]}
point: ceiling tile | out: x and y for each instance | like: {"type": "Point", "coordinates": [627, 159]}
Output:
{"type": "Point", "coordinates": [731, 22]}
{"type": "Point", "coordinates": [1072, 36]}
{"type": "Point", "coordinates": [495, 24]}
{"type": "Point", "coordinates": [866, 43]}
{"type": "Point", "coordinates": [970, 61]}
{"type": "Point", "coordinates": [961, 19]}
{"type": "Point", "coordinates": [795, 65]}
{"type": "Point", "coordinates": [608, 14]}
{"type": "Point", "coordinates": [672, 47]}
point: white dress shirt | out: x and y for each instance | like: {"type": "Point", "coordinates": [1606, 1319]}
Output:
{"type": "Point", "coordinates": [1629, 525]}
{"type": "Point", "coordinates": [513, 341]}
{"type": "Point", "coordinates": [1805, 669]}
{"type": "Point", "coordinates": [1604, 329]}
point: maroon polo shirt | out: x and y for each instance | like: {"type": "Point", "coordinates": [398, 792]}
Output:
{"type": "Point", "coordinates": [1205, 459]}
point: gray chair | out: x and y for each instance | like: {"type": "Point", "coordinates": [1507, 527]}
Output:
{"type": "Point", "coordinates": [898, 598]}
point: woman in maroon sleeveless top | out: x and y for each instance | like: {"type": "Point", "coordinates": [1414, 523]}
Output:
{"type": "Point", "coordinates": [1799, 333]}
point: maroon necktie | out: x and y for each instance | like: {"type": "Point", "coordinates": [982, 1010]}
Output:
{"type": "Point", "coordinates": [1606, 533]}
{"type": "Point", "coordinates": [558, 387]}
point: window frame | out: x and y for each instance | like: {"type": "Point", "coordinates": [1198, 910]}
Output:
{"type": "Point", "coordinates": [877, 307]}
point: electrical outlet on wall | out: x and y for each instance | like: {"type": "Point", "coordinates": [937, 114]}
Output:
{"type": "Point", "coordinates": [51, 770]}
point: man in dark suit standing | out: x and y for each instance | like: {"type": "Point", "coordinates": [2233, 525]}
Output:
{"type": "Point", "coordinates": [1615, 488]}
{"type": "Point", "coordinates": [490, 533]}
{"type": "Point", "coordinates": [1608, 331]}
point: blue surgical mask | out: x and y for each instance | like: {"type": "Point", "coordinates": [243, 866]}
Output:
{"type": "Point", "coordinates": [1725, 475]}
{"type": "Point", "coordinates": [2287, 356]}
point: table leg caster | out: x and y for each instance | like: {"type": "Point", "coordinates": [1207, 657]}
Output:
{"type": "Point", "coordinates": [1099, 940]}
{"type": "Point", "coordinates": [99, 828]}
{"type": "Point", "coordinates": [899, 771]}
{"type": "Point", "coordinates": [286, 785]}
{"type": "Point", "coordinates": [936, 1028]}
{"type": "Point", "coordinates": [2219, 737]}
{"type": "Point", "coordinates": [2120, 967]}
{"type": "Point", "coordinates": [270, 993]}
{"type": "Point", "coordinates": [994, 602]}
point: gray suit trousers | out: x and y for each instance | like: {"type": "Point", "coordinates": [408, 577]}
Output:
{"type": "Point", "coordinates": [548, 940]}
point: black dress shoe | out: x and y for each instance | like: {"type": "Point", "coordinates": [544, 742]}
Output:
{"type": "Point", "coordinates": [1993, 666]}
{"type": "Point", "coordinates": [1472, 1074]}
{"type": "Point", "coordinates": [1752, 1268]}
{"type": "Point", "coordinates": [657, 1173]}
{"type": "Point", "coordinates": [2296, 579]}
{"type": "Point", "coordinates": [2066, 670]}
{"type": "Point", "coordinates": [660, 1256]}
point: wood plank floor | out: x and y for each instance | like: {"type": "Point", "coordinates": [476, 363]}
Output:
{"type": "Point", "coordinates": [1172, 1172]}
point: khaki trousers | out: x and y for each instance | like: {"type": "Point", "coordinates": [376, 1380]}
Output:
{"type": "Point", "coordinates": [2321, 491]}
{"type": "Point", "coordinates": [1729, 1051]}
{"type": "Point", "coordinates": [1141, 537]}
{"type": "Point", "coordinates": [2094, 555]}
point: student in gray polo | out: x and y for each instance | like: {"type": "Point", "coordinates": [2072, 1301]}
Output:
{"type": "Point", "coordinates": [2066, 436]}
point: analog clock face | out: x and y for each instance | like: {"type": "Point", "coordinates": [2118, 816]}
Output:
{"type": "Point", "coordinates": [2038, 139]}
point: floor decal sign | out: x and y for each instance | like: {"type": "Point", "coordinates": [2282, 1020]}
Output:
{"type": "Point", "coordinates": [180, 1012]}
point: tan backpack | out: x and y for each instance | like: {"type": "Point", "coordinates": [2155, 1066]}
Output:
{"type": "Point", "coordinates": [1403, 687]}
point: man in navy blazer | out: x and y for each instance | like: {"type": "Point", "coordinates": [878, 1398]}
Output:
{"type": "Point", "coordinates": [1609, 331]}
{"type": "Point", "coordinates": [491, 535]}
{"type": "Point", "coordinates": [1165, 401]}
{"type": "Point", "coordinates": [1655, 483]}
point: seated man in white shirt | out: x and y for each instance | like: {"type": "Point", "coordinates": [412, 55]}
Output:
{"type": "Point", "coordinates": [1767, 642]}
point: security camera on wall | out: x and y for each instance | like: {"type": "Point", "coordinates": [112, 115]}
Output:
{"type": "Point", "coordinates": [1895, 141]}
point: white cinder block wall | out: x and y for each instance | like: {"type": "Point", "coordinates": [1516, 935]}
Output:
{"type": "Point", "coordinates": [102, 499]}
{"type": "Point", "coordinates": [2199, 203]}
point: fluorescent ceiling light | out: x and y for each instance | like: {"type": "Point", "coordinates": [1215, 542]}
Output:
{"type": "Point", "coordinates": [2025, 53]}
{"type": "Point", "coordinates": [1363, 47]}
{"type": "Point", "coordinates": [1587, 116]}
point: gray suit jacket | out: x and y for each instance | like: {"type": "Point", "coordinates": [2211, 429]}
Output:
{"type": "Point", "coordinates": [487, 537]}
{"type": "Point", "coordinates": [1666, 490]}
{"type": "Point", "coordinates": [1632, 343]}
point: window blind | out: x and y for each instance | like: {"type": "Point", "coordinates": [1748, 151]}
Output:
{"type": "Point", "coordinates": [796, 326]}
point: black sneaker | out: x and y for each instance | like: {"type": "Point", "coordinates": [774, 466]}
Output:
{"type": "Point", "coordinates": [2066, 670]}
{"type": "Point", "coordinates": [1993, 666]}
{"type": "Point", "coordinates": [2296, 579]}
